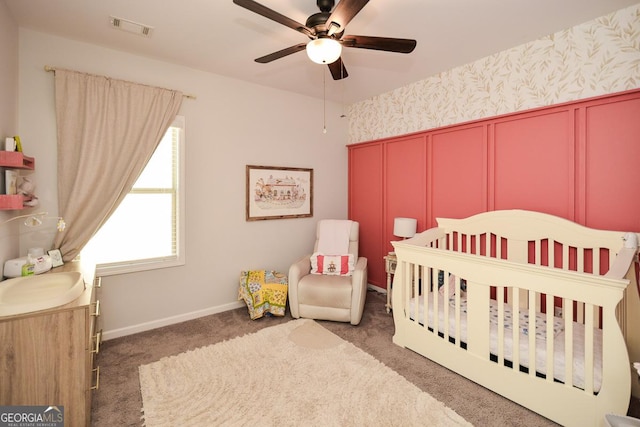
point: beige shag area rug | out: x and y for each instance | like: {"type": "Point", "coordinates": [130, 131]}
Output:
{"type": "Point", "coordinates": [297, 373]}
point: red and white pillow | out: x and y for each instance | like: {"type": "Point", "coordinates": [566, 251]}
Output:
{"type": "Point", "coordinates": [336, 265]}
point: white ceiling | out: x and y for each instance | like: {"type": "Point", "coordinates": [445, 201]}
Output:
{"type": "Point", "coordinates": [223, 38]}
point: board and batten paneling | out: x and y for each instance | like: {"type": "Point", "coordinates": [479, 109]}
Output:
{"type": "Point", "coordinates": [405, 183]}
{"type": "Point", "coordinates": [534, 163]}
{"type": "Point", "coordinates": [579, 160]}
{"type": "Point", "coordinates": [610, 155]}
{"type": "Point", "coordinates": [365, 205]}
{"type": "Point", "coordinates": [458, 173]}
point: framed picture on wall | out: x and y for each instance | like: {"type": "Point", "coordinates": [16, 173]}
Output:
{"type": "Point", "coordinates": [278, 192]}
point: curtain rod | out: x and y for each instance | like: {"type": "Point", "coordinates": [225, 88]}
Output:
{"type": "Point", "coordinates": [49, 68]}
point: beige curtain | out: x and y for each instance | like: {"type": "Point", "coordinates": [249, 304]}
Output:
{"type": "Point", "coordinates": [107, 131]}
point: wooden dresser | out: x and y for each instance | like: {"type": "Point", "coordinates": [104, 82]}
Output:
{"type": "Point", "coordinates": [48, 357]}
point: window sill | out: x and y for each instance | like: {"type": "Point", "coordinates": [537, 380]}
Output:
{"type": "Point", "coordinates": [135, 267]}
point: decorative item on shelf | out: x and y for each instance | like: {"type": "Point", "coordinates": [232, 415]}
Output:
{"type": "Point", "coordinates": [26, 188]}
{"type": "Point", "coordinates": [16, 138]}
{"type": "Point", "coordinates": [405, 227]}
{"type": "Point", "coordinates": [11, 182]}
{"type": "Point", "coordinates": [9, 144]}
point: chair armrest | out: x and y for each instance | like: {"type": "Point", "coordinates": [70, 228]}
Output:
{"type": "Point", "coordinates": [359, 290]}
{"type": "Point", "coordinates": [297, 271]}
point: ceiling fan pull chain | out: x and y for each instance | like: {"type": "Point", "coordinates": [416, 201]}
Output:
{"type": "Point", "coordinates": [324, 101]}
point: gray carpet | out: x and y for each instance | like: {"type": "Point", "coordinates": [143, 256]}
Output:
{"type": "Point", "coordinates": [118, 400]}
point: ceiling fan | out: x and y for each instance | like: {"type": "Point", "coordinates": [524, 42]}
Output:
{"type": "Point", "coordinates": [326, 31]}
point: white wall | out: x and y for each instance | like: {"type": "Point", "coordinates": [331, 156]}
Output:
{"type": "Point", "coordinates": [229, 125]}
{"type": "Point", "coordinates": [8, 117]}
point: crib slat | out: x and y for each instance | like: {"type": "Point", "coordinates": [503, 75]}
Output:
{"type": "Point", "coordinates": [588, 348]}
{"type": "Point", "coordinates": [567, 308]}
{"type": "Point", "coordinates": [401, 271]}
{"type": "Point", "coordinates": [537, 252]}
{"type": "Point", "coordinates": [515, 347]}
{"type": "Point", "coordinates": [550, 336]}
{"type": "Point", "coordinates": [580, 312]}
{"type": "Point", "coordinates": [457, 311]}
{"type": "Point", "coordinates": [445, 303]}
{"type": "Point", "coordinates": [500, 297]}
{"type": "Point", "coordinates": [565, 257]}
{"type": "Point", "coordinates": [487, 244]}
{"type": "Point", "coordinates": [532, 334]}
{"type": "Point", "coordinates": [425, 297]}
{"type": "Point", "coordinates": [436, 302]}
{"type": "Point", "coordinates": [580, 259]}
{"type": "Point", "coordinates": [414, 277]}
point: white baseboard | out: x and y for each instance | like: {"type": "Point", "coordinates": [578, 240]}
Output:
{"type": "Point", "coordinates": [147, 326]}
{"type": "Point", "coordinates": [376, 288]}
{"type": "Point", "coordinates": [134, 329]}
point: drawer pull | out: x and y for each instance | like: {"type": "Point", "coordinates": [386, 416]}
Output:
{"type": "Point", "coordinates": [98, 339]}
{"type": "Point", "coordinates": [97, 371]}
{"type": "Point", "coordinates": [97, 282]}
{"type": "Point", "coordinates": [97, 305]}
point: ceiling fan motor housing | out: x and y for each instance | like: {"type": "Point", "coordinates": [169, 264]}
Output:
{"type": "Point", "coordinates": [325, 5]}
{"type": "Point", "coordinates": [317, 21]}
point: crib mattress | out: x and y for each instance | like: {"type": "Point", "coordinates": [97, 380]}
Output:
{"type": "Point", "coordinates": [541, 362]}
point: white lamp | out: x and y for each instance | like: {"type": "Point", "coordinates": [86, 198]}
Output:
{"type": "Point", "coordinates": [324, 50]}
{"type": "Point", "coordinates": [405, 227]}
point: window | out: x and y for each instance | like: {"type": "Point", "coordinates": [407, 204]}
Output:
{"type": "Point", "coordinates": [146, 231]}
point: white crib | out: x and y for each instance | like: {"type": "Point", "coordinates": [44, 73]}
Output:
{"type": "Point", "coordinates": [525, 304]}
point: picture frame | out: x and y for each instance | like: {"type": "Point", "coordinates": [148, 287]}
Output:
{"type": "Point", "coordinates": [274, 192]}
{"type": "Point", "coordinates": [56, 257]}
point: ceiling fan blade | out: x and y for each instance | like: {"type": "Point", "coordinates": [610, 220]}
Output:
{"type": "Point", "coordinates": [380, 43]}
{"type": "Point", "coordinates": [275, 16]}
{"type": "Point", "coordinates": [338, 71]}
{"type": "Point", "coordinates": [343, 14]}
{"type": "Point", "coordinates": [281, 53]}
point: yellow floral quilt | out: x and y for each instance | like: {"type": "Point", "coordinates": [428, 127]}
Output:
{"type": "Point", "coordinates": [265, 292]}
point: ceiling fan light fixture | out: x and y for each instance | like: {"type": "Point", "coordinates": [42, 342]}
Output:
{"type": "Point", "coordinates": [324, 50]}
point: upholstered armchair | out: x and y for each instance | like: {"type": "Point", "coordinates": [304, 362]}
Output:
{"type": "Point", "coordinates": [331, 283]}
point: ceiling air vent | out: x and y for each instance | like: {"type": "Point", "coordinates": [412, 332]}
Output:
{"type": "Point", "coordinates": [130, 26]}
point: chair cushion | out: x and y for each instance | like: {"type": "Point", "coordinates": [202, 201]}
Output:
{"type": "Point", "coordinates": [325, 291]}
{"type": "Point", "coordinates": [337, 265]}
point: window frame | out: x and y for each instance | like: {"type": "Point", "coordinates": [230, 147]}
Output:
{"type": "Point", "coordinates": [146, 264]}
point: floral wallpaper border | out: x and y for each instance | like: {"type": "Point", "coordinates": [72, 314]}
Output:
{"type": "Point", "coordinates": [595, 58]}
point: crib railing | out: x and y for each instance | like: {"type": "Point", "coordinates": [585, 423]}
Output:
{"type": "Point", "coordinates": [470, 326]}
{"type": "Point", "coordinates": [540, 252]}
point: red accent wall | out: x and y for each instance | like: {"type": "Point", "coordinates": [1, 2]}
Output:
{"type": "Point", "coordinates": [579, 161]}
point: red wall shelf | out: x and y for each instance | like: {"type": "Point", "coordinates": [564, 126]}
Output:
{"type": "Point", "coordinates": [14, 160]}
